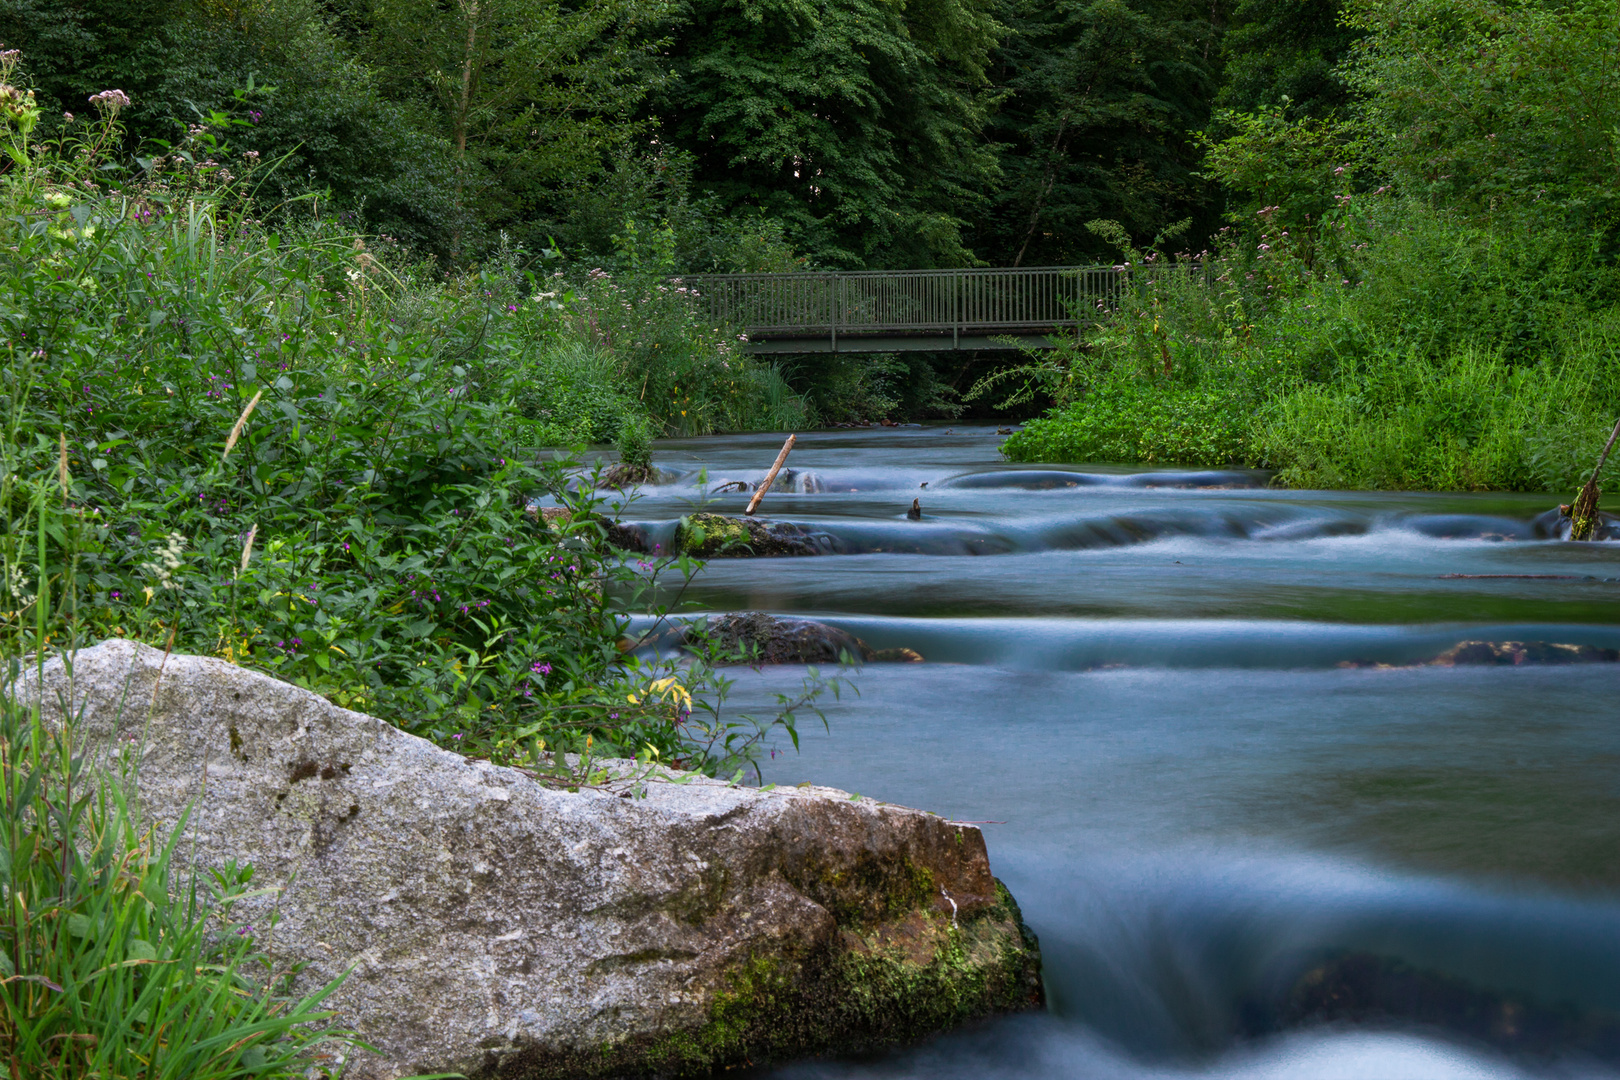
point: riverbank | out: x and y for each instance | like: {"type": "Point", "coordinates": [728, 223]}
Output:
{"type": "Point", "coordinates": [1397, 345]}
{"type": "Point", "coordinates": [300, 449]}
{"type": "Point", "coordinates": [1463, 422]}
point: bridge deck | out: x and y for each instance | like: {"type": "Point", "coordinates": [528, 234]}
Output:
{"type": "Point", "coordinates": [888, 311]}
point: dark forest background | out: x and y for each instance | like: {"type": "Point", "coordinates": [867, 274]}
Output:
{"type": "Point", "coordinates": [739, 134]}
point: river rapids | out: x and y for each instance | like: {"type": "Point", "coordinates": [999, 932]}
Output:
{"type": "Point", "coordinates": [1260, 831]}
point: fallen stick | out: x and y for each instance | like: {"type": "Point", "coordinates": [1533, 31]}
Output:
{"type": "Point", "coordinates": [1528, 577]}
{"type": "Point", "coordinates": [770, 477]}
{"type": "Point", "coordinates": [1583, 513]}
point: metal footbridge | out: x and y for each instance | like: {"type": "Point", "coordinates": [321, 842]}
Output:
{"type": "Point", "coordinates": [908, 310]}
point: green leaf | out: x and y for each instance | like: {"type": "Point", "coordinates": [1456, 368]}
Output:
{"type": "Point", "coordinates": [141, 949]}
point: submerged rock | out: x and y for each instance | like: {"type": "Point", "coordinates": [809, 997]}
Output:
{"type": "Point", "coordinates": [711, 536]}
{"type": "Point", "coordinates": [788, 481]}
{"type": "Point", "coordinates": [496, 926]}
{"type": "Point", "coordinates": [759, 638]}
{"type": "Point", "coordinates": [1491, 653]}
{"type": "Point", "coordinates": [1504, 654]}
{"type": "Point", "coordinates": [1364, 988]}
{"type": "Point", "coordinates": [767, 639]}
{"type": "Point", "coordinates": [620, 476]}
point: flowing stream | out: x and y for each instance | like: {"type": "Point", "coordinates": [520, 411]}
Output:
{"type": "Point", "coordinates": [1257, 834]}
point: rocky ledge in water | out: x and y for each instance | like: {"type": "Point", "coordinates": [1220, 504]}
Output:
{"type": "Point", "coordinates": [492, 925]}
{"type": "Point", "coordinates": [712, 536]}
{"type": "Point", "coordinates": [772, 639]}
{"type": "Point", "coordinates": [1364, 989]}
{"type": "Point", "coordinates": [621, 477]}
{"type": "Point", "coordinates": [625, 536]}
{"type": "Point", "coordinates": [788, 480]}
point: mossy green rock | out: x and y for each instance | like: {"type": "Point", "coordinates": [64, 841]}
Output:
{"type": "Point", "coordinates": [492, 925]}
{"type": "Point", "coordinates": [757, 638]}
{"type": "Point", "coordinates": [712, 536]}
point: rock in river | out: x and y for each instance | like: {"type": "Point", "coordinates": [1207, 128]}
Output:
{"type": "Point", "coordinates": [778, 639]}
{"type": "Point", "coordinates": [1555, 525]}
{"type": "Point", "coordinates": [768, 639]}
{"type": "Point", "coordinates": [1498, 653]}
{"type": "Point", "coordinates": [710, 536]}
{"type": "Point", "coordinates": [494, 925]}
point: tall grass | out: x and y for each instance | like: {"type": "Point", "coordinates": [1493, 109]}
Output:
{"type": "Point", "coordinates": [115, 959]}
{"type": "Point", "coordinates": [691, 377]}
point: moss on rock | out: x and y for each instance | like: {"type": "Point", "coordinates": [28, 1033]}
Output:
{"type": "Point", "coordinates": [711, 536]}
{"type": "Point", "coordinates": [867, 987]}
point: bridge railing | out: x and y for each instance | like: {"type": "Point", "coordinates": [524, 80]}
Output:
{"type": "Point", "coordinates": [911, 301]}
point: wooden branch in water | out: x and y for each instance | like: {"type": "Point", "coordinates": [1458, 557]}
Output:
{"type": "Point", "coordinates": [770, 477]}
{"type": "Point", "coordinates": [1583, 514]}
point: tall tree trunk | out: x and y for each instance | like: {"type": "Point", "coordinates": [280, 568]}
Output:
{"type": "Point", "coordinates": [463, 107]}
{"type": "Point", "coordinates": [1046, 188]}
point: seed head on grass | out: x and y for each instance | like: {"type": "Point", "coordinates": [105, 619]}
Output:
{"type": "Point", "coordinates": [241, 422]}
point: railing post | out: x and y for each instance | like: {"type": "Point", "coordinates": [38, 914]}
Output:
{"type": "Point", "coordinates": [956, 310]}
{"type": "Point", "coordinates": [832, 293]}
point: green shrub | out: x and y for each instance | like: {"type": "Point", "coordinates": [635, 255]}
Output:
{"type": "Point", "coordinates": [635, 448]}
{"type": "Point", "coordinates": [1449, 356]}
{"type": "Point", "coordinates": [1137, 421]}
{"type": "Point", "coordinates": [571, 390]}
{"type": "Point", "coordinates": [1470, 421]}
{"type": "Point", "coordinates": [308, 455]}
{"type": "Point", "coordinates": [690, 378]}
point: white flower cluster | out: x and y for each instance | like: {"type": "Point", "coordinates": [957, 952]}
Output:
{"type": "Point", "coordinates": [166, 562]}
{"type": "Point", "coordinates": [17, 584]}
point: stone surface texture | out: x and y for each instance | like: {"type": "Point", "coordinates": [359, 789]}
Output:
{"type": "Point", "coordinates": [494, 925]}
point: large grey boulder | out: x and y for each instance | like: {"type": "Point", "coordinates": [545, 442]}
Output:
{"type": "Point", "coordinates": [497, 926]}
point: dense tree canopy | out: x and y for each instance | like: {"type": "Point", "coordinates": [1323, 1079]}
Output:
{"type": "Point", "coordinates": [858, 122]}
{"type": "Point", "coordinates": [1102, 96]}
{"type": "Point", "coordinates": [771, 134]}
{"type": "Point", "coordinates": [1285, 49]}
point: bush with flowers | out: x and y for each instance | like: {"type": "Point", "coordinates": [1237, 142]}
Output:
{"type": "Point", "coordinates": [296, 448]}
